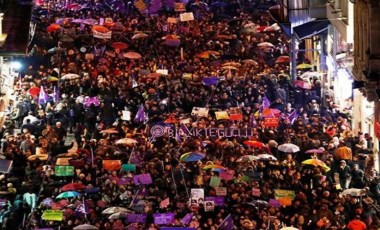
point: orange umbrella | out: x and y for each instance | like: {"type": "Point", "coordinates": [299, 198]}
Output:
{"type": "Point", "coordinates": [171, 36]}
{"type": "Point", "coordinates": [109, 131]}
{"type": "Point", "coordinates": [132, 55]}
{"type": "Point", "coordinates": [139, 36]}
{"type": "Point", "coordinates": [53, 28]}
{"type": "Point", "coordinates": [207, 54]}
{"type": "Point", "coordinates": [119, 45]}
{"type": "Point", "coordinates": [100, 29]}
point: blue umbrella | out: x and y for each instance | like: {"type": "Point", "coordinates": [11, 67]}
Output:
{"type": "Point", "coordinates": [192, 156]}
{"type": "Point", "coordinates": [210, 81]}
{"type": "Point", "coordinates": [92, 190]}
{"type": "Point", "coordinates": [68, 194]}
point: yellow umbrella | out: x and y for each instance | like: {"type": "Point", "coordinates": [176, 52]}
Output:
{"type": "Point", "coordinates": [316, 162]}
{"type": "Point", "coordinates": [304, 66]}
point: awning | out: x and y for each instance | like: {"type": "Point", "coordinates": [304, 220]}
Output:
{"type": "Point", "coordinates": [311, 29]}
{"type": "Point", "coordinates": [286, 29]}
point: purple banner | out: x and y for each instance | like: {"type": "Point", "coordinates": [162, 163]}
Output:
{"type": "Point", "coordinates": [163, 218]}
{"type": "Point", "coordinates": [136, 218]}
{"type": "Point", "coordinates": [218, 200]}
{"type": "Point", "coordinates": [142, 179]}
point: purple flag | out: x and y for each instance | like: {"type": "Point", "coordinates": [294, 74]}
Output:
{"type": "Point", "coordinates": [227, 223]}
{"type": "Point", "coordinates": [81, 210]}
{"type": "Point", "coordinates": [186, 219]}
{"type": "Point", "coordinates": [141, 115]}
{"type": "Point", "coordinates": [42, 96]}
{"type": "Point", "coordinates": [55, 94]}
{"type": "Point", "coordinates": [293, 116]}
{"type": "Point", "coordinates": [265, 102]}
{"type": "Point", "coordinates": [163, 218]}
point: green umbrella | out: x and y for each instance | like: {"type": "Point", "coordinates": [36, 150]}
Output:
{"type": "Point", "coordinates": [68, 194]}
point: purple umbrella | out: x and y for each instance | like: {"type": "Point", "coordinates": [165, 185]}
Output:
{"type": "Point", "coordinates": [78, 20]}
{"type": "Point", "coordinates": [172, 42]}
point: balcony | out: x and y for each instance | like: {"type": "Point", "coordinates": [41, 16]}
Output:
{"type": "Point", "coordinates": [339, 19]}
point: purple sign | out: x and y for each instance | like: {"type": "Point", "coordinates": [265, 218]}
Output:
{"type": "Point", "coordinates": [163, 218]}
{"type": "Point", "coordinates": [142, 179]}
{"type": "Point", "coordinates": [136, 218]}
{"type": "Point", "coordinates": [218, 200]}
{"type": "Point", "coordinates": [124, 180]}
{"type": "Point", "coordinates": [186, 219]}
{"type": "Point", "coordinates": [274, 203]}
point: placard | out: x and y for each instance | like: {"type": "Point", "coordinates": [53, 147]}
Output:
{"type": "Point", "coordinates": [163, 218]}
{"type": "Point", "coordinates": [126, 115]}
{"type": "Point", "coordinates": [200, 112]}
{"type": "Point", "coordinates": [186, 16]}
{"type": "Point", "coordinates": [221, 191]}
{"type": "Point", "coordinates": [214, 181]}
{"type": "Point", "coordinates": [52, 215]}
{"type": "Point", "coordinates": [179, 7]}
{"type": "Point", "coordinates": [136, 218]}
{"type": "Point", "coordinates": [271, 122]}
{"type": "Point", "coordinates": [172, 20]}
{"type": "Point", "coordinates": [142, 179]}
{"type": "Point", "coordinates": [5, 166]}
{"type": "Point", "coordinates": [209, 206]}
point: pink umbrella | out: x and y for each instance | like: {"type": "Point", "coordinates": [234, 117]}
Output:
{"type": "Point", "coordinates": [132, 55]}
{"type": "Point", "coordinates": [302, 84]}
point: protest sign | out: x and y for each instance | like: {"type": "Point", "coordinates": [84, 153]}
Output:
{"type": "Point", "coordinates": [218, 200]}
{"type": "Point", "coordinates": [199, 111]}
{"type": "Point", "coordinates": [5, 165]}
{"type": "Point", "coordinates": [128, 167]}
{"type": "Point", "coordinates": [112, 165]}
{"type": "Point", "coordinates": [222, 115]}
{"type": "Point", "coordinates": [274, 203]}
{"type": "Point", "coordinates": [142, 179]}
{"type": "Point", "coordinates": [100, 35]}
{"type": "Point", "coordinates": [186, 16]}
{"type": "Point", "coordinates": [52, 215]}
{"type": "Point", "coordinates": [214, 181]}
{"type": "Point", "coordinates": [209, 206]}
{"type": "Point", "coordinates": [163, 218]}
{"type": "Point", "coordinates": [179, 7]}
{"type": "Point", "coordinates": [136, 218]}
{"type": "Point", "coordinates": [172, 20]}
{"type": "Point", "coordinates": [64, 170]}
{"type": "Point", "coordinates": [197, 195]}
{"type": "Point", "coordinates": [227, 175]}
{"type": "Point", "coordinates": [256, 192]}
{"type": "Point", "coordinates": [126, 116]}
{"type": "Point", "coordinates": [186, 219]}
{"type": "Point", "coordinates": [221, 191]}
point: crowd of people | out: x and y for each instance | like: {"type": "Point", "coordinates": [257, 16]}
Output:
{"type": "Point", "coordinates": [152, 103]}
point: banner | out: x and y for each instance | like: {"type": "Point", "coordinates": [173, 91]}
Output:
{"type": "Point", "coordinates": [52, 215]}
{"type": "Point", "coordinates": [64, 170]}
{"type": "Point", "coordinates": [186, 17]}
{"type": "Point", "coordinates": [271, 122]}
{"type": "Point", "coordinates": [285, 197]}
{"type": "Point", "coordinates": [199, 111]}
{"type": "Point", "coordinates": [236, 114]}
{"type": "Point", "coordinates": [100, 35]}
{"type": "Point", "coordinates": [222, 115]}
{"type": "Point", "coordinates": [136, 218]}
{"type": "Point", "coordinates": [163, 218]}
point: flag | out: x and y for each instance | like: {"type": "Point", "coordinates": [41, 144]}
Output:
{"type": "Point", "coordinates": [227, 223]}
{"type": "Point", "coordinates": [293, 116]}
{"type": "Point", "coordinates": [55, 94]}
{"type": "Point", "coordinates": [81, 210]}
{"type": "Point", "coordinates": [165, 203]}
{"type": "Point", "coordinates": [42, 96]}
{"type": "Point", "coordinates": [265, 102]}
{"type": "Point", "coordinates": [111, 165]}
{"type": "Point", "coordinates": [141, 116]}
{"type": "Point", "coordinates": [222, 115]}
{"type": "Point", "coordinates": [141, 6]}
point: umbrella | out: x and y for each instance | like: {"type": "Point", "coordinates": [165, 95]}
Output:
{"type": "Point", "coordinates": [34, 91]}
{"type": "Point", "coordinates": [52, 79]}
{"type": "Point", "coordinates": [255, 144]}
{"type": "Point", "coordinates": [42, 157]}
{"type": "Point", "coordinates": [171, 36]}
{"type": "Point", "coordinates": [126, 141]}
{"type": "Point", "coordinates": [313, 151]}
{"type": "Point", "coordinates": [100, 29]}
{"type": "Point", "coordinates": [289, 228]}
{"type": "Point", "coordinates": [302, 84]}
{"type": "Point", "coordinates": [53, 27]}
{"type": "Point", "coordinates": [207, 54]}
{"type": "Point", "coordinates": [109, 131]}
{"type": "Point", "coordinates": [73, 187]}
{"type": "Point", "coordinates": [247, 158]}
{"type": "Point", "coordinates": [73, 6]}
{"type": "Point", "coordinates": [115, 209]}
{"type": "Point", "coordinates": [68, 194]}
{"type": "Point", "coordinates": [310, 74]}
{"type": "Point", "coordinates": [119, 45]}
{"type": "Point", "coordinates": [343, 153]}
{"type": "Point", "coordinates": [70, 76]}
{"type": "Point", "coordinates": [85, 227]}
{"type": "Point", "coordinates": [117, 215]}
{"type": "Point", "coordinates": [266, 156]}
{"type": "Point", "coordinates": [316, 162]}
{"type": "Point", "coordinates": [229, 67]}
{"type": "Point", "coordinates": [172, 42]}
{"type": "Point", "coordinates": [249, 62]}
{"type": "Point", "coordinates": [132, 55]}
{"type": "Point", "coordinates": [139, 36]}
{"type": "Point", "coordinates": [354, 192]}
{"type": "Point", "coordinates": [192, 156]}
{"type": "Point", "coordinates": [265, 45]}
{"type": "Point", "coordinates": [236, 64]}
{"type": "Point", "coordinates": [248, 30]}
{"type": "Point", "coordinates": [283, 59]}
{"type": "Point", "coordinates": [214, 167]}
{"type": "Point", "coordinates": [304, 66]}
{"type": "Point", "coordinates": [288, 148]}
{"type": "Point", "coordinates": [77, 20]}
{"type": "Point", "coordinates": [90, 21]}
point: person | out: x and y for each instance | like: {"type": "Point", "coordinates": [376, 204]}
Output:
{"type": "Point", "coordinates": [60, 131]}
{"type": "Point", "coordinates": [357, 177]}
{"type": "Point", "coordinates": [356, 224]}
{"type": "Point", "coordinates": [344, 172]}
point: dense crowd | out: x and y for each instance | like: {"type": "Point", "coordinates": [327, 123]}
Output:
{"type": "Point", "coordinates": [109, 92]}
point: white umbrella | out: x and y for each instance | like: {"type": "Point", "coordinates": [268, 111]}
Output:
{"type": "Point", "coordinates": [85, 227]}
{"type": "Point", "coordinates": [288, 148]}
{"type": "Point", "coordinates": [266, 156]}
{"type": "Point", "coordinates": [310, 74]}
{"type": "Point", "coordinates": [126, 141]}
{"type": "Point", "coordinates": [247, 158]}
{"type": "Point", "coordinates": [112, 210]}
{"type": "Point", "coordinates": [117, 215]}
{"type": "Point", "coordinates": [354, 192]}
{"type": "Point", "coordinates": [70, 76]}
{"type": "Point", "coordinates": [265, 45]}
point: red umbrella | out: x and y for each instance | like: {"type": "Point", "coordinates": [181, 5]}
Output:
{"type": "Point", "coordinates": [119, 45]}
{"type": "Point", "coordinates": [73, 187]}
{"type": "Point", "coordinates": [255, 144]}
{"type": "Point", "coordinates": [302, 84]}
{"type": "Point", "coordinates": [34, 91]}
{"type": "Point", "coordinates": [53, 27]}
{"type": "Point", "coordinates": [132, 55]}
{"type": "Point", "coordinates": [100, 29]}
{"type": "Point", "coordinates": [283, 59]}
